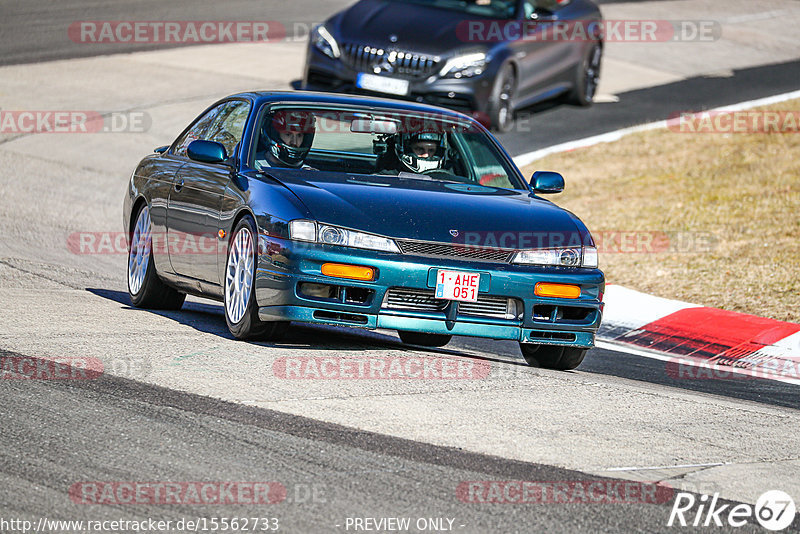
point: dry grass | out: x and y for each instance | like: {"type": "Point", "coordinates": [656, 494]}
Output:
{"type": "Point", "coordinates": [743, 190]}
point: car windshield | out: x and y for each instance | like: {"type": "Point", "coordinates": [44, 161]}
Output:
{"type": "Point", "coordinates": [425, 147]}
{"type": "Point", "coordinates": [499, 9]}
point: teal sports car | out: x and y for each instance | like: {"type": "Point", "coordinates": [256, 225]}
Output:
{"type": "Point", "coordinates": [361, 212]}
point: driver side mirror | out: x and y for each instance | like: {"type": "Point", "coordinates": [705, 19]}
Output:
{"type": "Point", "coordinates": [206, 151]}
{"type": "Point", "coordinates": [547, 182]}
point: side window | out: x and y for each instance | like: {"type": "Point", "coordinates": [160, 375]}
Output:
{"type": "Point", "coordinates": [197, 131]}
{"type": "Point", "coordinates": [486, 166]}
{"type": "Point", "coordinates": [528, 8]}
{"type": "Point", "coordinates": [229, 125]}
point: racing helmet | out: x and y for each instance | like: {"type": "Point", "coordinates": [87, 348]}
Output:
{"type": "Point", "coordinates": [288, 135]}
{"type": "Point", "coordinates": [421, 151]}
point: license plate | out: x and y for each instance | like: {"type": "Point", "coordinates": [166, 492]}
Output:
{"type": "Point", "coordinates": [382, 84]}
{"type": "Point", "coordinates": [455, 285]}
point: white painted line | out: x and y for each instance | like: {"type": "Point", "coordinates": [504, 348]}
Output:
{"type": "Point", "coordinates": [682, 466]}
{"type": "Point", "coordinates": [688, 361]}
{"type": "Point", "coordinates": [752, 17]}
{"type": "Point", "coordinates": [529, 157]}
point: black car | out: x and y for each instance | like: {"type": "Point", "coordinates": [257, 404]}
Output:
{"type": "Point", "coordinates": [484, 57]}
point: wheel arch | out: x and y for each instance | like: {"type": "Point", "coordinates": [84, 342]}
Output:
{"type": "Point", "coordinates": [243, 212]}
{"type": "Point", "coordinates": [135, 207]}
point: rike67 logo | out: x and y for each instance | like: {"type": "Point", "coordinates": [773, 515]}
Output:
{"type": "Point", "coordinates": [774, 510]}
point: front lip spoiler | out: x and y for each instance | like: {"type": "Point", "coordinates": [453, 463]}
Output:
{"type": "Point", "coordinates": [388, 320]}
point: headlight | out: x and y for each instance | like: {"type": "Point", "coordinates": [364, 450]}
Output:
{"type": "Point", "coordinates": [464, 66]}
{"type": "Point", "coordinates": [564, 257]}
{"type": "Point", "coordinates": [324, 41]}
{"type": "Point", "coordinates": [302, 230]}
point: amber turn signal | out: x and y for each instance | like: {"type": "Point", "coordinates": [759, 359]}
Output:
{"type": "Point", "coordinates": [352, 272]}
{"type": "Point", "coordinates": [562, 291]}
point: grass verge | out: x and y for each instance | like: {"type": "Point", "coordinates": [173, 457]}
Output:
{"type": "Point", "coordinates": [708, 218]}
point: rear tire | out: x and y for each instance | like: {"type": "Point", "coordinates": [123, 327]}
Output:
{"type": "Point", "coordinates": [425, 340]}
{"type": "Point", "coordinates": [144, 286]}
{"type": "Point", "coordinates": [552, 356]}
{"type": "Point", "coordinates": [241, 309]}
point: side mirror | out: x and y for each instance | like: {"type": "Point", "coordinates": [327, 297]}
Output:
{"type": "Point", "coordinates": [206, 151]}
{"type": "Point", "coordinates": [161, 149]}
{"type": "Point", "coordinates": [546, 182]}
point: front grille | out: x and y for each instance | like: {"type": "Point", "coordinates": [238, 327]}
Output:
{"type": "Point", "coordinates": [423, 300]}
{"type": "Point", "coordinates": [459, 251]}
{"type": "Point", "coordinates": [495, 307]}
{"type": "Point", "coordinates": [366, 58]}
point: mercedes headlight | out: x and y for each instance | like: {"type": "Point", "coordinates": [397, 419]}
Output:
{"type": "Point", "coordinates": [324, 41]}
{"type": "Point", "coordinates": [302, 230]}
{"type": "Point", "coordinates": [563, 257]}
{"type": "Point", "coordinates": [465, 65]}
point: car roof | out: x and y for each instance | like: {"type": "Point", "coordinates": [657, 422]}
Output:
{"type": "Point", "coordinates": [261, 97]}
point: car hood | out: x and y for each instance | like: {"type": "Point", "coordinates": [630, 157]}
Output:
{"type": "Point", "coordinates": [429, 31]}
{"type": "Point", "coordinates": [433, 210]}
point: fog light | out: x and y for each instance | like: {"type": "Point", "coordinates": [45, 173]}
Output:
{"type": "Point", "coordinates": [562, 291]}
{"type": "Point", "coordinates": [324, 291]}
{"type": "Point", "coordinates": [353, 272]}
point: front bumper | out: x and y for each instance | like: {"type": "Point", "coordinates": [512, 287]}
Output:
{"type": "Point", "coordinates": [467, 95]}
{"type": "Point", "coordinates": [285, 266]}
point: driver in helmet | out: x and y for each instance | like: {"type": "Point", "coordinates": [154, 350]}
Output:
{"type": "Point", "coordinates": [286, 139]}
{"type": "Point", "coordinates": [420, 152]}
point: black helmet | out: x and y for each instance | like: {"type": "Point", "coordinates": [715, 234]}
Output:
{"type": "Point", "coordinates": [282, 123]}
{"type": "Point", "coordinates": [404, 148]}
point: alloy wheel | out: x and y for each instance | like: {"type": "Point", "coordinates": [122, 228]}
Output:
{"type": "Point", "coordinates": [239, 275]}
{"type": "Point", "coordinates": [139, 255]}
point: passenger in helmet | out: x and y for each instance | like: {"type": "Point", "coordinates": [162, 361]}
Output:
{"type": "Point", "coordinates": [286, 137]}
{"type": "Point", "coordinates": [420, 152]}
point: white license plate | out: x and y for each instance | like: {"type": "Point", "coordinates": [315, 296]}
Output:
{"type": "Point", "coordinates": [455, 285]}
{"type": "Point", "coordinates": [382, 84]}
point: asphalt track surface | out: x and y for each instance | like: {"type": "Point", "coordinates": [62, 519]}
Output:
{"type": "Point", "coordinates": [34, 31]}
{"type": "Point", "coordinates": [552, 123]}
{"type": "Point", "coordinates": [113, 428]}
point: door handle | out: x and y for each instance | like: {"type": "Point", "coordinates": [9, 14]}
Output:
{"type": "Point", "coordinates": [179, 185]}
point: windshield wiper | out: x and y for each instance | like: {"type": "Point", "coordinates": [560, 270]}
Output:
{"type": "Point", "coordinates": [425, 177]}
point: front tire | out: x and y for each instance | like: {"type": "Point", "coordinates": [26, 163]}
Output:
{"type": "Point", "coordinates": [425, 340]}
{"type": "Point", "coordinates": [241, 309]}
{"type": "Point", "coordinates": [587, 77]}
{"type": "Point", "coordinates": [144, 286]}
{"type": "Point", "coordinates": [501, 110]}
{"type": "Point", "coordinates": [552, 356]}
